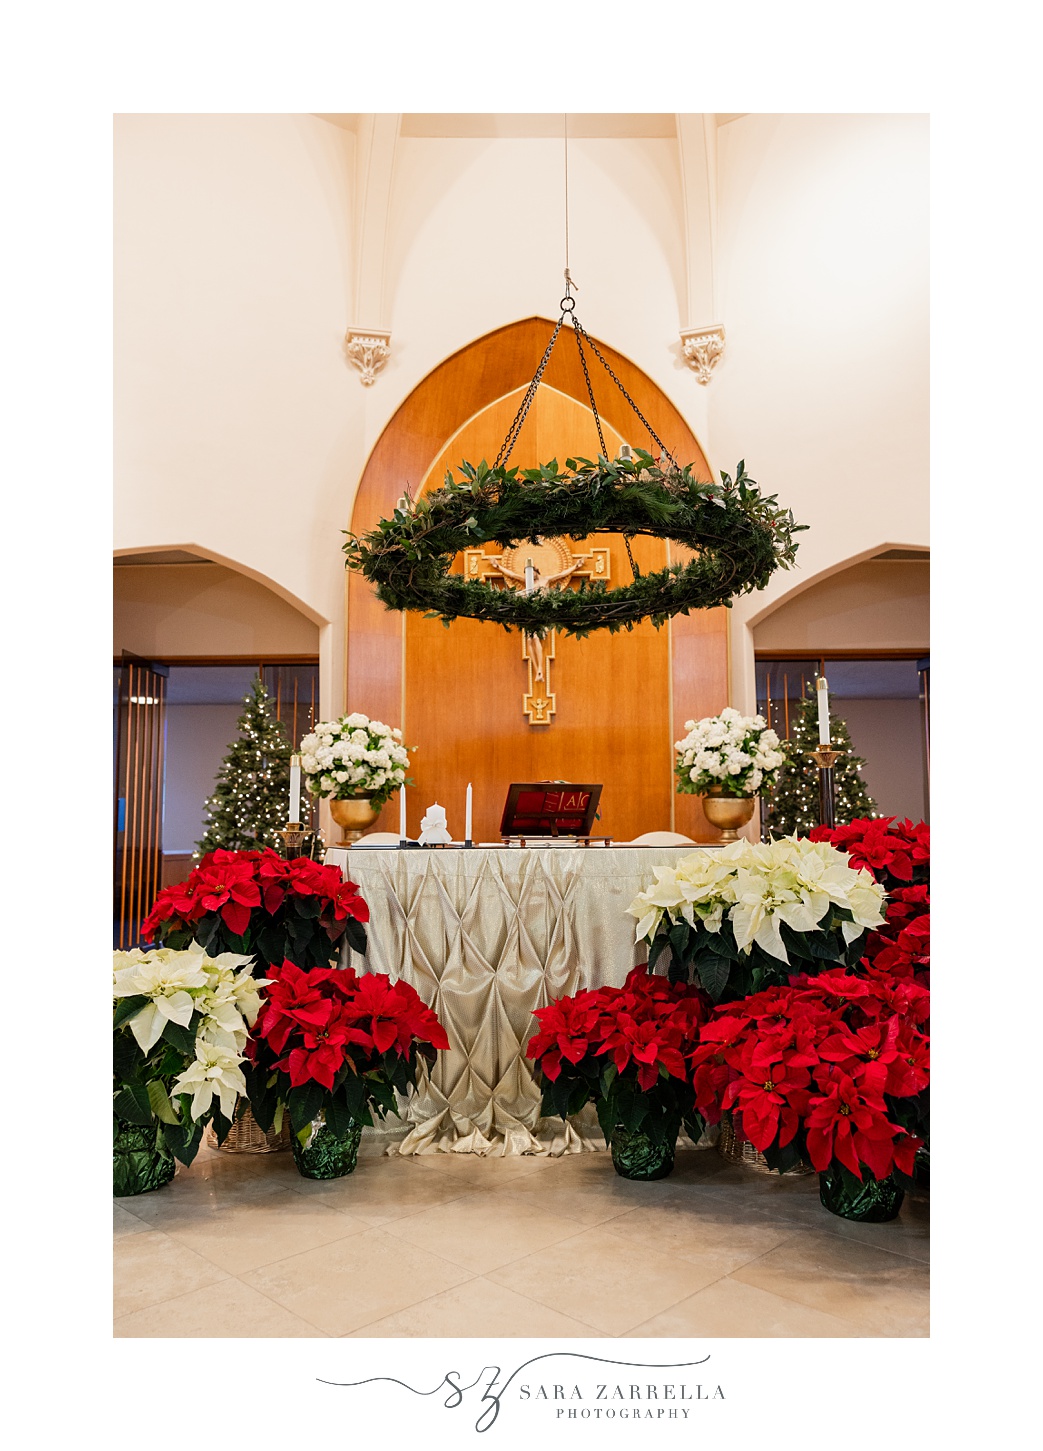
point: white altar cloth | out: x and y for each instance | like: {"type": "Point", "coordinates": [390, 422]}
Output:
{"type": "Point", "coordinates": [486, 935]}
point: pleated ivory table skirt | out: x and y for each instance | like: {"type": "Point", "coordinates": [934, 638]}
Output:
{"type": "Point", "coordinates": [486, 936]}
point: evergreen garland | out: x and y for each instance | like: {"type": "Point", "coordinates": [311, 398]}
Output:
{"type": "Point", "coordinates": [793, 804]}
{"type": "Point", "coordinates": [739, 536]}
{"type": "Point", "coordinates": [252, 790]}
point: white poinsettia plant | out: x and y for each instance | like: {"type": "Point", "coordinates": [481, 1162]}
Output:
{"type": "Point", "coordinates": [354, 756]}
{"type": "Point", "coordinates": [738, 753]}
{"type": "Point", "coordinates": [181, 1021]}
{"type": "Point", "coordinates": [747, 916]}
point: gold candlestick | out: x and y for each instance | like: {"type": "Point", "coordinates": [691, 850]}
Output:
{"type": "Point", "coordinates": [293, 835]}
{"type": "Point", "coordinates": [826, 758]}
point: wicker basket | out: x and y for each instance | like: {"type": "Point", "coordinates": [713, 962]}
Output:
{"type": "Point", "coordinates": [741, 1151]}
{"type": "Point", "coordinates": [247, 1137]}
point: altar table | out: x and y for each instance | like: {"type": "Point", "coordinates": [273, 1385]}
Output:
{"type": "Point", "coordinates": [486, 935]}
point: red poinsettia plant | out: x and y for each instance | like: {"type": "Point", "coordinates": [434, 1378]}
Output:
{"type": "Point", "coordinates": [261, 904]}
{"type": "Point", "coordinates": [625, 1049]}
{"type": "Point", "coordinates": [899, 856]}
{"type": "Point", "coordinates": [331, 1042]}
{"type": "Point", "coordinates": [828, 1069]}
{"type": "Point", "coordinates": [896, 852]}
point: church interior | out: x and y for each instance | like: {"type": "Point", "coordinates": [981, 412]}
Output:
{"type": "Point", "coordinates": [319, 318]}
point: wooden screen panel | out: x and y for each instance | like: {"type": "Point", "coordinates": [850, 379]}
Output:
{"type": "Point", "coordinates": [138, 785]}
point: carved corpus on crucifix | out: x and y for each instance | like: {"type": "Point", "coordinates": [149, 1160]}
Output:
{"type": "Point", "coordinates": [554, 565]}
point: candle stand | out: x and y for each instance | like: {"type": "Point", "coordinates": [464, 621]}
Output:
{"type": "Point", "coordinates": [825, 758]}
{"type": "Point", "coordinates": [293, 835]}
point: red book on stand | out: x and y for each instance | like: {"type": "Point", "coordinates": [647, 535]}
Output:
{"type": "Point", "coordinates": [549, 808]}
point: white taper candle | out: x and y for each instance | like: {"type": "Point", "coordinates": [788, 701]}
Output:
{"type": "Point", "coordinates": [295, 789]}
{"type": "Point", "coordinates": [823, 711]}
{"type": "Point", "coordinates": [467, 824]}
{"type": "Point", "coordinates": [402, 814]}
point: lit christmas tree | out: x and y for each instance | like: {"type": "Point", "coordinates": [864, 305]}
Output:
{"type": "Point", "coordinates": [251, 795]}
{"type": "Point", "coordinates": [793, 806]}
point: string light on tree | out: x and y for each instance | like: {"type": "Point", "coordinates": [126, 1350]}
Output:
{"type": "Point", "coordinates": [248, 808]}
{"type": "Point", "coordinates": [793, 805]}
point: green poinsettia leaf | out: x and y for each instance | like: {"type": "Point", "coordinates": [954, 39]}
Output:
{"type": "Point", "coordinates": [713, 973]}
{"type": "Point", "coordinates": [160, 1102]}
{"type": "Point", "coordinates": [133, 1105]}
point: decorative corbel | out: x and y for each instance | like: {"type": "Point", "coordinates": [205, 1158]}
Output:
{"type": "Point", "coordinates": [703, 348]}
{"type": "Point", "coordinates": [369, 349]}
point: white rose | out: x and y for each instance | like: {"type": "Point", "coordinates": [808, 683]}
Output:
{"type": "Point", "coordinates": [356, 719]}
{"type": "Point", "coordinates": [309, 765]}
{"type": "Point", "coordinates": [689, 725]}
{"type": "Point", "coordinates": [397, 734]}
{"type": "Point", "coordinates": [341, 776]}
{"type": "Point", "coordinates": [309, 742]}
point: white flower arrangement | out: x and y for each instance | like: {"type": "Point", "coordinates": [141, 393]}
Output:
{"type": "Point", "coordinates": [354, 756]}
{"type": "Point", "coordinates": [213, 999]}
{"type": "Point", "coordinates": [754, 888]}
{"type": "Point", "coordinates": [738, 753]}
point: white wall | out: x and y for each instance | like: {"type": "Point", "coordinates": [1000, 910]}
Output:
{"type": "Point", "coordinates": [889, 734]}
{"type": "Point", "coordinates": [197, 741]}
{"type": "Point", "coordinates": [824, 387]}
{"type": "Point", "coordinates": [241, 427]}
{"type": "Point", "coordinates": [162, 610]}
{"type": "Point", "coordinates": [237, 420]}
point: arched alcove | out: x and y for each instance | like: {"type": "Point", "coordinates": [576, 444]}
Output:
{"type": "Point", "coordinates": [458, 694]}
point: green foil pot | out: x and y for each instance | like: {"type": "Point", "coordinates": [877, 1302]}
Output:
{"type": "Point", "coordinates": [636, 1156]}
{"type": "Point", "coordinates": [874, 1201]}
{"type": "Point", "coordinates": [140, 1159]}
{"type": "Point", "coordinates": [324, 1154]}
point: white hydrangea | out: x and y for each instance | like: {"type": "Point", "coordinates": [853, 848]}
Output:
{"type": "Point", "coordinates": [740, 752]}
{"type": "Point", "coordinates": [353, 756]}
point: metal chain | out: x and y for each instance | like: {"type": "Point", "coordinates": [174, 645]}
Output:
{"type": "Point", "coordinates": [519, 417]}
{"type": "Point", "coordinates": [635, 572]}
{"type": "Point", "coordinates": [605, 364]}
{"type": "Point", "coordinates": [590, 388]}
{"type": "Point", "coordinates": [568, 306]}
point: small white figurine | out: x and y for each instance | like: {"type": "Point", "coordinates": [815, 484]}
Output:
{"type": "Point", "coordinates": [433, 831]}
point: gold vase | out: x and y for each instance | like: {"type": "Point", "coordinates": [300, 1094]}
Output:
{"type": "Point", "coordinates": [354, 815]}
{"type": "Point", "coordinates": [727, 813]}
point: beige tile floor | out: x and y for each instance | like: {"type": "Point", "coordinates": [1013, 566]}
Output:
{"type": "Point", "coordinates": [455, 1245]}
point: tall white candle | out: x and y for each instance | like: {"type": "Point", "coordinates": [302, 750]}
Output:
{"type": "Point", "coordinates": [402, 814]}
{"type": "Point", "coordinates": [467, 823]}
{"type": "Point", "coordinates": [530, 577]}
{"type": "Point", "coordinates": [295, 789]}
{"type": "Point", "coordinates": [823, 711]}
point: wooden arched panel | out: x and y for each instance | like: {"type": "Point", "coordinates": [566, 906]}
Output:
{"type": "Point", "coordinates": [622, 699]}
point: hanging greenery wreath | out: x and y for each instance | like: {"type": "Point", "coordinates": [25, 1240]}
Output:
{"type": "Point", "coordinates": [739, 536]}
